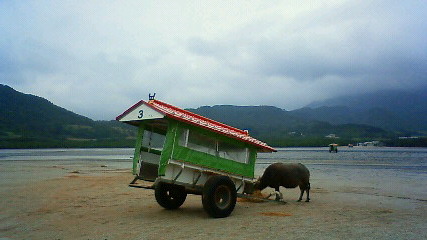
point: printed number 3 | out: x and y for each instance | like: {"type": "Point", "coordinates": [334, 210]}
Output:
{"type": "Point", "coordinates": [141, 113]}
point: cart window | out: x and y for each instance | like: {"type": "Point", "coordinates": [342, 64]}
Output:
{"type": "Point", "coordinates": [152, 140]}
{"type": "Point", "coordinates": [233, 152]}
{"type": "Point", "coordinates": [206, 144]}
{"type": "Point", "coordinates": [198, 142]}
{"type": "Point", "coordinates": [183, 139]}
{"type": "Point", "coordinates": [201, 143]}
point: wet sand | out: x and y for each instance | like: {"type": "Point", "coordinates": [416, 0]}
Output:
{"type": "Point", "coordinates": [62, 202]}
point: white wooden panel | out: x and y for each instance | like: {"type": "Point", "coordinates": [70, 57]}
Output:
{"type": "Point", "coordinates": [190, 173]}
{"type": "Point", "coordinates": [142, 112]}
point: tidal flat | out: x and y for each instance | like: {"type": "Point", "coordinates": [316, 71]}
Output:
{"type": "Point", "coordinates": [357, 193]}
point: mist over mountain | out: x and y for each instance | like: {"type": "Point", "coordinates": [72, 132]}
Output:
{"type": "Point", "coordinates": [388, 99]}
{"type": "Point", "coordinates": [398, 110]}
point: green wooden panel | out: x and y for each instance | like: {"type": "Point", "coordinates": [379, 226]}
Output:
{"type": "Point", "coordinates": [181, 153]}
{"type": "Point", "coordinates": [213, 162]}
{"type": "Point", "coordinates": [172, 150]}
{"type": "Point", "coordinates": [168, 147]}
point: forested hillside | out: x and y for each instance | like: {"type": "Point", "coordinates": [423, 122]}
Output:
{"type": "Point", "coordinates": [31, 121]}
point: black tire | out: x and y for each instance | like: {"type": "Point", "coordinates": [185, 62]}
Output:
{"type": "Point", "coordinates": [170, 196]}
{"type": "Point", "coordinates": [219, 196]}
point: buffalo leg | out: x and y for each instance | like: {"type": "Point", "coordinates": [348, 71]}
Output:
{"type": "Point", "coordinates": [279, 195]}
{"type": "Point", "coordinates": [308, 193]}
{"type": "Point", "coordinates": [300, 196]}
{"type": "Point", "coordinates": [280, 198]}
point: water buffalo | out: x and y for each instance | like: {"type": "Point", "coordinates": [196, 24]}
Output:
{"type": "Point", "coordinates": [288, 175]}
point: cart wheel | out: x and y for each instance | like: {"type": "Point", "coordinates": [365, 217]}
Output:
{"type": "Point", "coordinates": [219, 196]}
{"type": "Point", "coordinates": [170, 196]}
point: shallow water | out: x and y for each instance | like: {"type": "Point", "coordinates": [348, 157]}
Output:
{"type": "Point", "coordinates": [390, 172]}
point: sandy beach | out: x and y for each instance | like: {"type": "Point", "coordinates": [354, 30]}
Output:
{"type": "Point", "coordinates": [80, 202]}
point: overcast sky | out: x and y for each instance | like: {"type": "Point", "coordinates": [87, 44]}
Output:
{"type": "Point", "coordinates": [97, 58]}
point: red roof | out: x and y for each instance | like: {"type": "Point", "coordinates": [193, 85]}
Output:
{"type": "Point", "coordinates": [200, 121]}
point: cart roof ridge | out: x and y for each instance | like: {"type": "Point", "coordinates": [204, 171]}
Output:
{"type": "Point", "coordinates": [197, 120]}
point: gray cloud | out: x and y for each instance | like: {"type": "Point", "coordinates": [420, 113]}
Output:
{"type": "Point", "coordinates": [347, 41]}
{"type": "Point", "coordinates": [98, 58]}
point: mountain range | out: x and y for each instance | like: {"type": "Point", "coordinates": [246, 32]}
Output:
{"type": "Point", "coordinates": [28, 121]}
{"type": "Point", "coordinates": [284, 128]}
{"type": "Point", "coordinates": [384, 115]}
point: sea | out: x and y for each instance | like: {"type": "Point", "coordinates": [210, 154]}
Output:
{"type": "Point", "coordinates": [381, 171]}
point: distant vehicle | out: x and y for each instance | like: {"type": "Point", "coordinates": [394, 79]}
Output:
{"type": "Point", "coordinates": [333, 147]}
{"type": "Point", "coordinates": [185, 153]}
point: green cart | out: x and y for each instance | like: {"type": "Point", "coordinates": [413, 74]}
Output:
{"type": "Point", "coordinates": [182, 153]}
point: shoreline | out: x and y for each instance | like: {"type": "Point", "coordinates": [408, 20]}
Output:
{"type": "Point", "coordinates": [420, 142]}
